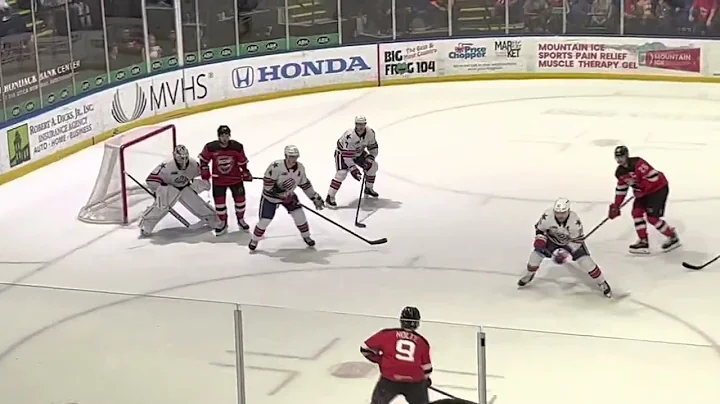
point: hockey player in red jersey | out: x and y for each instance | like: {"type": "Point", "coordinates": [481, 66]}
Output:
{"type": "Point", "coordinates": [650, 188]}
{"type": "Point", "coordinates": [229, 171]}
{"type": "Point", "coordinates": [404, 359]}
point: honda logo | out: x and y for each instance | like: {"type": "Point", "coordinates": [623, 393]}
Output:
{"type": "Point", "coordinates": [243, 77]}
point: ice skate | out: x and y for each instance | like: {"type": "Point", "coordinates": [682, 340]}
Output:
{"type": "Point", "coordinates": [526, 279]}
{"type": "Point", "coordinates": [253, 245]}
{"type": "Point", "coordinates": [606, 290]}
{"type": "Point", "coordinates": [330, 201]}
{"type": "Point", "coordinates": [371, 192]}
{"type": "Point", "coordinates": [243, 224]}
{"type": "Point", "coordinates": [310, 242]}
{"type": "Point", "coordinates": [640, 247]}
{"type": "Point", "coordinates": [219, 232]}
{"type": "Point", "coordinates": [672, 243]}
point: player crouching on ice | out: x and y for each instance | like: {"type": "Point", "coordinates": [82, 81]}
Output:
{"type": "Point", "coordinates": [559, 235]}
{"type": "Point", "coordinates": [175, 180]}
{"type": "Point", "coordinates": [279, 183]}
{"type": "Point", "coordinates": [651, 191]}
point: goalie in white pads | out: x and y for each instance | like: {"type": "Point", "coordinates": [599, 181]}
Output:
{"type": "Point", "coordinates": [559, 236]}
{"type": "Point", "coordinates": [350, 154]}
{"type": "Point", "coordinates": [176, 180]}
{"type": "Point", "coordinates": [279, 183]}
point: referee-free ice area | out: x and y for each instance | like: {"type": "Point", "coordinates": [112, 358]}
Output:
{"type": "Point", "coordinates": [466, 169]}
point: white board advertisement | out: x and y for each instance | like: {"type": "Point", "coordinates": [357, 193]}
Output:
{"type": "Point", "coordinates": [409, 60]}
{"type": "Point", "coordinates": [619, 55]}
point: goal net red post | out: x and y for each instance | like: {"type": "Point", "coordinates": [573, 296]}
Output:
{"type": "Point", "coordinates": [115, 199]}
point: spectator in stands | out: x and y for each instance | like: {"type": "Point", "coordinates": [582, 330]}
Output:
{"type": "Point", "coordinates": [702, 14]}
{"type": "Point", "coordinates": [537, 13]}
{"type": "Point", "coordinates": [602, 15]}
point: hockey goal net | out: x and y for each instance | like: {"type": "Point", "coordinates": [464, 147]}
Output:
{"type": "Point", "coordinates": [116, 199]}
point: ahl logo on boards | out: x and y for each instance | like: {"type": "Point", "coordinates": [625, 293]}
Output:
{"type": "Point", "coordinates": [139, 105]}
{"type": "Point", "coordinates": [243, 77]}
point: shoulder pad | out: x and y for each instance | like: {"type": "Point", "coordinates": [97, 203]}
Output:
{"type": "Point", "coordinates": [235, 145]}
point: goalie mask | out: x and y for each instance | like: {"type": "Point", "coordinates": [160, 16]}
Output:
{"type": "Point", "coordinates": [181, 156]}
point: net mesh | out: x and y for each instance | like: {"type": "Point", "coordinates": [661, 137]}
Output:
{"type": "Point", "coordinates": [140, 150]}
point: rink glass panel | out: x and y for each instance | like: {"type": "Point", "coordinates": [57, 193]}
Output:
{"type": "Point", "coordinates": [303, 356]}
{"type": "Point", "coordinates": [62, 346]}
{"type": "Point", "coordinates": [97, 42]}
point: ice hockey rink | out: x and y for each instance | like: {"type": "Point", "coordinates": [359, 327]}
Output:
{"type": "Point", "coordinates": [466, 169]}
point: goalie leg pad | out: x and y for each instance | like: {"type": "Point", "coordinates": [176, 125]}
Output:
{"type": "Point", "coordinates": [298, 216]}
{"type": "Point", "coordinates": [238, 193]}
{"type": "Point", "coordinates": [199, 208]}
{"type": "Point", "coordinates": [165, 198]}
{"type": "Point", "coordinates": [267, 213]}
{"type": "Point", "coordinates": [587, 264]}
{"type": "Point", "coordinates": [336, 182]}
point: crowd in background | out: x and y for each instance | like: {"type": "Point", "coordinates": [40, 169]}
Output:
{"type": "Point", "coordinates": [55, 49]}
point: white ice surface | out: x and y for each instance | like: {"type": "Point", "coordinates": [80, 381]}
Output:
{"type": "Point", "coordinates": [465, 171]}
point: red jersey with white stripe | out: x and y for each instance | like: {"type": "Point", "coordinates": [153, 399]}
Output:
{"type": "Point", "coordinates": [403, 355]}
{"type": "Point", "coordinates": [639, 175]}
{"type": "Point", "coordinates": [228, 162]}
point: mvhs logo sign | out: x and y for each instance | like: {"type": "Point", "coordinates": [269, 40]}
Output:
{"type": "Point", "coordinates": [243, 77]}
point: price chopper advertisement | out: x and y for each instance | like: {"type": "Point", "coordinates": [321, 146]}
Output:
{"type": "Point", "coordinates": [409, 60]}
{"type": "Point", "coordinates": [595, 57]}
{"type": "Point", "coordinates": [483, 56]}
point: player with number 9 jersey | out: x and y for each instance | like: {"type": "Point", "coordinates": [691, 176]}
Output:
{"type": "Point", "coordinates": [404, 359]}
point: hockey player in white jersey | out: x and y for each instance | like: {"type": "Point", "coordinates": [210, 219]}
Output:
{"type": "Point", "coordinates": [176, 180]}
{"type": "Point", "coordinates": [279, 183]}
{"type": "Point", "coordinates": [350, 154]}
{"type": "Point", "coordinates": [559, 236]}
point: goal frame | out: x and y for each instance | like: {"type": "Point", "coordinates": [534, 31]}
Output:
{"type": "Point", "coordinates": [121, 151]}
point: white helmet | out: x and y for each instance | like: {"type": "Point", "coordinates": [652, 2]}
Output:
{"type": "Point", "coordinates": [561, 207]}
{"type": "Point", "coordinates": [360, 120]}
{"type": "Point", "coordinates": [292, 151]}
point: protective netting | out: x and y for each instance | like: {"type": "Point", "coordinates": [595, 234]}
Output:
{"type": "Point", "coordinates": [115, 198]}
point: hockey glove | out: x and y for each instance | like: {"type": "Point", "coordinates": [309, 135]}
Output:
{"type": "Point", "coordinates": [613, 211]}
{"type": "Point", "coordinates": [540, 246]}
{"type": "Point", "coordinates": [318, 201]}
{"type": "Point", "coordinates": [356, 173]}
{"type": "Point", "coordinates": [368, 163]}
{"type": "Point", "coordinates": [291, 202]}
{"type": "Point", "coordinates": [205, 173]}
{"type": "Point", "coordinates": [247, 175]}
{"type": "Point", "coordinates": [428, 382]}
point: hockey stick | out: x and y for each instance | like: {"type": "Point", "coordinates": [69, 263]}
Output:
{"type": "Point", "coordinates": [357, 211]}
{"type": "Point", "coordinates": [697, 267]}
{"type": "Point", "coordinates": [583, 238]}
{"type": "Point", "coordinates": [236, 178]}
{"type": "Point", "coordinates": [170, 210]}
{"type": "Point", "coordinates": [446, 394]}
{"type": "Point", "coordinates": [371, 242]}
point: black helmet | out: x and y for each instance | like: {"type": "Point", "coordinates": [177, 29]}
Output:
{"type": "Point", "coordinates": [410, 318]}
{"type": "Point", "coordinates": [223, 130]}
{"type": "Point", "coordinates": [622, 151]}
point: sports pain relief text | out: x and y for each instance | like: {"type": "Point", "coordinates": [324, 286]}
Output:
{"type": "Point", "coordinates": [107, 110]}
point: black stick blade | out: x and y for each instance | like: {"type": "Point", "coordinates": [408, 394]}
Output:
{"type": "Point", "coordinates": [378, 241]}
{"type": "Point", "coordinates": [690, 266]}
{"type": "Point", "coordinates": [360, 225]}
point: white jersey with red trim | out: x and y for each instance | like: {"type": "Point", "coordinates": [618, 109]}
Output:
{"type": "Point", "coordinates": [168, 173]}
{"type": "Point", "coordinates": [352, 145]}
{"type": "Point", "coordinates": [280, 181]}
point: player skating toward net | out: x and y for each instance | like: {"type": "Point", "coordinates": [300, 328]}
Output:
{"type": "Point", "coordinates": [229, 171]}
{"type": "Point", "coordinates": [279, 183]}
{"type": "Point", "coordinates": [403, 356]}
{"type": "Point", "coordinates": [176, 180]}
{"type": "Point", "coordinates": [559, 236]}
{"type": "Point", "coordinates": [651, 190]}
{"type": "Point", "coordinates": [350, 154]}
